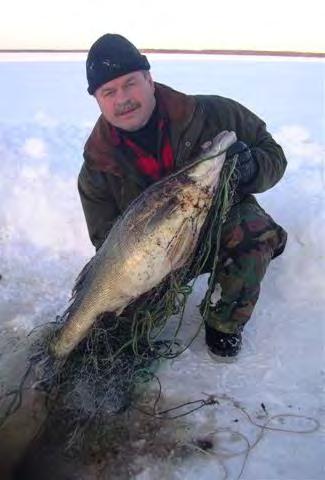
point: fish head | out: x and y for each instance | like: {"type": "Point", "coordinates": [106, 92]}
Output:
{"type": "Point", "coordinates": [219, 144]}
{"type": "Point", "coordinates": [206, 169]}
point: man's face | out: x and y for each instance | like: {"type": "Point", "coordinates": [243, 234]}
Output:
{"type": "Point", "coordinates": [127, 102]}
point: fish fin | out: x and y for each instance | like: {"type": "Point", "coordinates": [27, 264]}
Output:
{"type": "Point", "coordinates": [79, 283]}
{"type": "Point", "coordinates": [182, 245]}
{"type": "Point", "coordinates": [82, 276]}
{"type": "Point", "coordinates": [161, 213]}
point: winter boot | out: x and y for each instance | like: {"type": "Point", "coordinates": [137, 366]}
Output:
{"type": "Point", "coordinates": [221, 344]}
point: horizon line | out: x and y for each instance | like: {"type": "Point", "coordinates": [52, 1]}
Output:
{"type": "Point", "coordinates": [279, 53]}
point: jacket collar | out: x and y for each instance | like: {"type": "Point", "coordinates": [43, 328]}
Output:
{"type": "Point", "coordinates": [100, 152]}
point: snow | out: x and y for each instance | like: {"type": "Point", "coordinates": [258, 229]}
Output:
{"type": "Point", "coordinates": [45, 118]}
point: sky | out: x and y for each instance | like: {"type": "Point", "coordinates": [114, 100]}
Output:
{"type": "Point", "coordinates": [278, 25]}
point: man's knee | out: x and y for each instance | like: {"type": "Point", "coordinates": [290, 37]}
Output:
{"type": "Point", "coordinates": [250, 229]}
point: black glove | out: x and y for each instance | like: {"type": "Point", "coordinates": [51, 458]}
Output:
{"type": "Point", "coordinates": [246, 165]}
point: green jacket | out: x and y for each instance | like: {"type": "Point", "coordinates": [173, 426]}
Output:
{"type": "Point", "coordinates": [108, 181]}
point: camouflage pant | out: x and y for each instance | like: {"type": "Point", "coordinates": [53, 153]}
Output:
{"type": "Point", "coordinates": [249, 240]}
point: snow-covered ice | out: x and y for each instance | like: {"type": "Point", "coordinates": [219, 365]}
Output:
{"type": "Point", "coordinates": [45, 118]}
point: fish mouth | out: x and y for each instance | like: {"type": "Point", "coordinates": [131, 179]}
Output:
{"type": "Point", "coordinates": [219, 144]}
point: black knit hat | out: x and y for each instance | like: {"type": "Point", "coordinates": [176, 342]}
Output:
{"type": "Point", "coordinates": [112, 56]}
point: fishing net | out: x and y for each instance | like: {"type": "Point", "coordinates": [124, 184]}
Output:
{"type": "Point", "coordinates": [106, 372]}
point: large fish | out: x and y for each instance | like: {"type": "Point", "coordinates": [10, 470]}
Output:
{"type": "Point", "coordinates": [156, 235]}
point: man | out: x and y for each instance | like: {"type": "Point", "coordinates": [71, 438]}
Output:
{"type": "Point", "coordinates": [147, 130]}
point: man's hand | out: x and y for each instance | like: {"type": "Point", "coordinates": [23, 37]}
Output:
{"type": "Point", "coordinates": [246, 165]}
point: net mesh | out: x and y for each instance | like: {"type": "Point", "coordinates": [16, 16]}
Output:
{"type": "Point", "coordinates": [106, 371]}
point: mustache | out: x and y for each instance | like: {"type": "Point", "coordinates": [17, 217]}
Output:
{"type": "Point", "coordinates": [126, 107]}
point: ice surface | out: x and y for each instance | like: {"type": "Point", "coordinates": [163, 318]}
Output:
{"type": "Point", "coordinates": [45, 118]}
